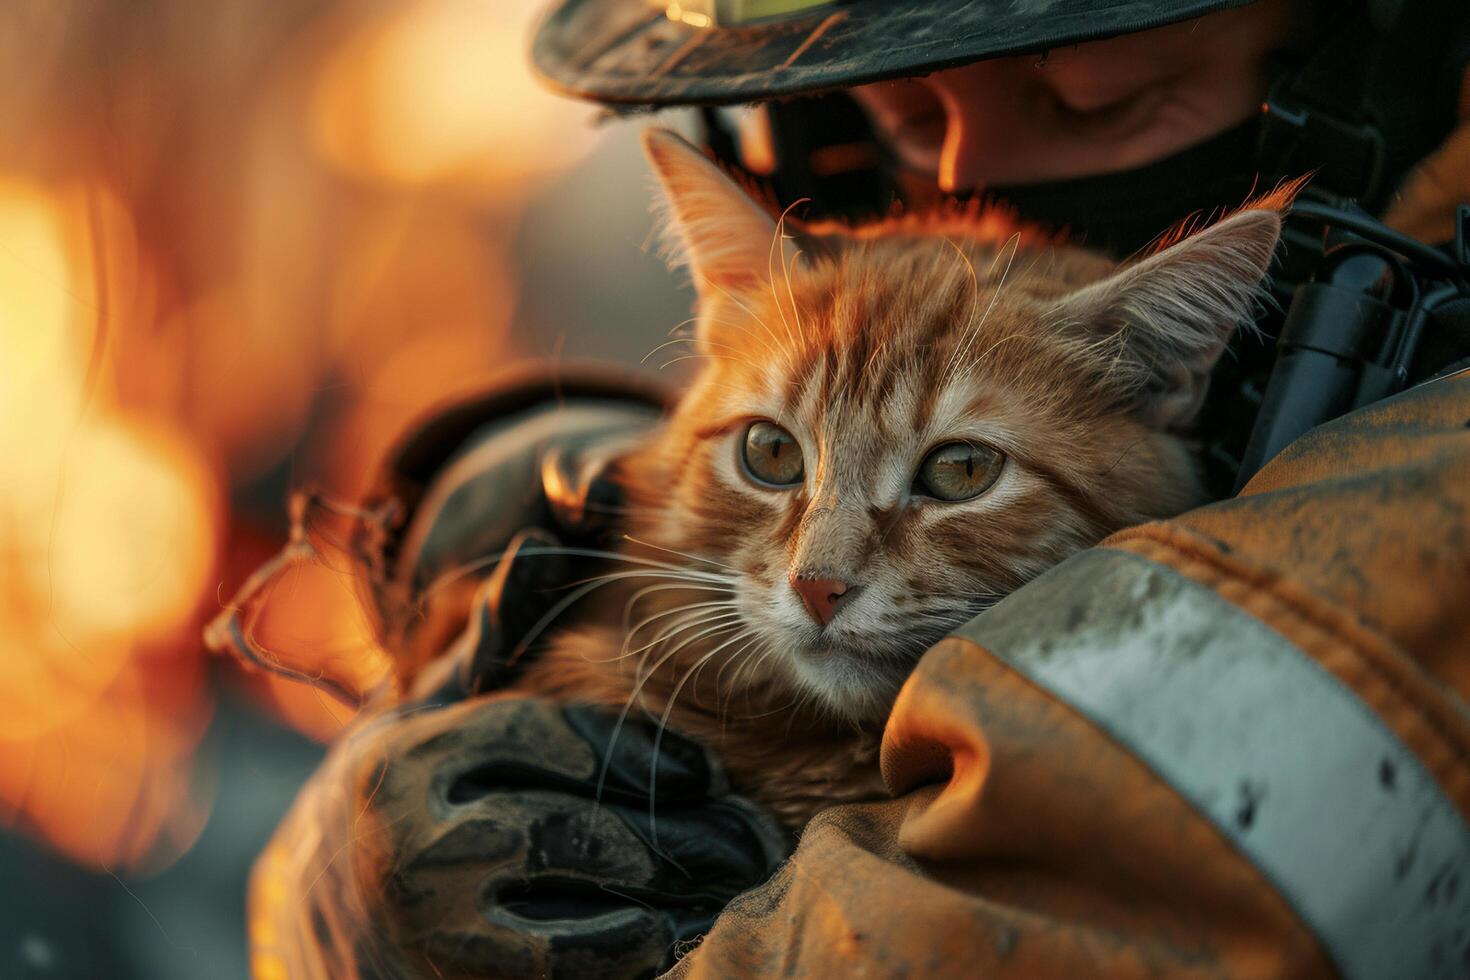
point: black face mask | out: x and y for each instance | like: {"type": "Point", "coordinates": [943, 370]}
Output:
{"type": "Point", "coordinates": [1120, 213]}
{"type": "Point", "coordinates": [1117, 213]}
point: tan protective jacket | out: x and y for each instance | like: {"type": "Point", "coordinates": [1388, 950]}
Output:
{"type": "Point", "coordinates": [1232, 744]}
{"type": "Point", "coordinates": [1239, 747]}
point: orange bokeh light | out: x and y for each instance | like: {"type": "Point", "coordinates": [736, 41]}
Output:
{"type": "Point", "coordinates": [108, 534]}
{"type": "Point", "coordinates": [113, 785]}
{"type": "Point", "coordinates": [440, 92]}
{"type": "Point", "coordinates": [132, 534]}
{"type": "Point", "coordinates": [237, 254]}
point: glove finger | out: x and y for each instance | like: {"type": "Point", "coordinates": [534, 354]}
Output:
{"type": "Point", "coordinates": [481, 763]}
{"type": "Point", "coordinates": [561, 875]}
{"type": "Point", "coordinates": [508, 604]}
{"type": "Point", "coordinates": [579, 485]}
{"type": "Point", "coordinates": [714, 850]}
{"type": "Point", "coordinates": [525, 584]}
{"type": "Point", "coordinates": [633, 942]}
{"type": "Point", "coordinates": [625, 750]}
{"type": "Point", "coordinates": [589, 862]}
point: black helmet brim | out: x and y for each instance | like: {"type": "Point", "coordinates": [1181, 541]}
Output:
{"type": "Point", "coordinates": [628, 53]}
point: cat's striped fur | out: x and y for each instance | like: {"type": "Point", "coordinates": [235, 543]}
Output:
{"type": "Point", "coordinates": [872, 346]}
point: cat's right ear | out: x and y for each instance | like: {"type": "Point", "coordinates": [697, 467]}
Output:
{"type": "Point", "coordinates": [1173, 312]}
{"type": "Point", "coordinates": [727, 241]}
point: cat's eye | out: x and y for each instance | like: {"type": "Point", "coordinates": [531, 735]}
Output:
{"type": "Point", "coordinates": [772, 455]}
{"type": "Point", "coordinates": [958, 471]}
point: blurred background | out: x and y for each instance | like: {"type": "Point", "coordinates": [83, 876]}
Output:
{"type": "Point", "coordinates": [242, 245]}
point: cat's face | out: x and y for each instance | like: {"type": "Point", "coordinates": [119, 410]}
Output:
{"type": "Point", "coordinates": [885, 439]}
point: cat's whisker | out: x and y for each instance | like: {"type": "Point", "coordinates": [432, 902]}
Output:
{"type": "Point", "coordinates": [720, 674]}
{"type": "Point", "coordinates": [631, 559]}
{"type": "Point", "coordinates": [777, 238]}
{"type": "Point", "coordinates": [707, 318]}
{"type": "Point", "coordinates": [702, 576]}
{"type": "Point", "coordinates": [534, 633]}
{"type": "Point", "coordinates": [580, 552]}
{"type": "Point", "coordinates": [1006, 339]}
{"type": "Point", "coordinates": [664, 587]}
{"type": "Point", "coordinates": [878, 349]}
{"type": "Point", "coordinates": [669, 586]}
{"type": "Point", "coordinates": [766, 653]}
{"type": "Point", "coordinates": [751, 666]}
{"type": "Point", "coordinates": [695, 620]}
{"type": "Point", "coordinates": [779, 709]}
{"type": "Point", "coordinates": [681, 324]}
{"type": "Point", "coordinates": [691, 357]}
{"type": "Point", "coordinates": [681, 554]}
{"type": "Point", "coordinates": [704, 627]}
{"type": "Point", "coordinates": [663, 724]}
{"type": "Point", "coordinates": [456, 574]}
{"type": "Point", "coordinates": [750, 637]}
{"type": "Point", "coordinates": [460, 572]}
{"type": "Point", "coordinates": [741, 303]}
{"type": "Point", "coordinates": [957, 351]}
{"type": "Point", "coordinates": [695, 340]}
{"type": "Point", "coordinates": [749, 633]}
{"type": "Point", "coordinates": [791, 293]}
{"type": "Point", "coordinates": [764, 344]}
{"type": "Point", "coordinates": [667, 633]}
{"type": "Point", "coordinates": [634, 697]}
{"type": "Point", "coordinates": [713, 607]}
{"type": "Point", "coordinates": [974, 279]}
{"type": "Point", "coordinates": [1014, 244]}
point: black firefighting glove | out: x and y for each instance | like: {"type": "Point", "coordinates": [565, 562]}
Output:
{"type": "Point", "coordinates": [505, 837]}
{"type": "Point", "coordinates": [463, 832]}
{"type": "Point", "coordinates": [523, 468]}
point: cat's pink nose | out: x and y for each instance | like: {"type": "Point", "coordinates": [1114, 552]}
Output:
{"type": "Point", "coordinates": [821, 596]}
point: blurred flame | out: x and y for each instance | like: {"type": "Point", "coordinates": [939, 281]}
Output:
{"type": "Point", "coordinates": [108, 530]}
{"type": "Point", "coordinates": [251, 379]}
{"type": "Point", "coordinates": [440, 90]}
{"type": "Point", "coordinates": [254, 243]}
{"type": "Point", "coordinates": [132, 534]}
{"type": "Point", "coordinates": [112, 785]}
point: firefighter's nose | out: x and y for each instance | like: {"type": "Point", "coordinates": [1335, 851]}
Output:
{"type": "Point", "coordinates": [821, 596]}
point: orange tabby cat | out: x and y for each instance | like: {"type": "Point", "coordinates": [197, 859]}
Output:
{"type": "Point", "coordinates": [895, 425]}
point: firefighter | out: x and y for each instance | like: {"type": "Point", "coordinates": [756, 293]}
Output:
{"type": "Point", "coordinates": [1235, 743]}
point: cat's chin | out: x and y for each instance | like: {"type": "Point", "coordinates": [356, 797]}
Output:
{"type": "Point", "coordinates": [852, 685]}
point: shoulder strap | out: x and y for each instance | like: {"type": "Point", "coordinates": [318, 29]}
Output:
{"type": "Point", "coordinates": [1376, 96]}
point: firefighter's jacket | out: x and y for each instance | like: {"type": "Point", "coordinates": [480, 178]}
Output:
{"type": "Point", "coordinates": [1232, 744]}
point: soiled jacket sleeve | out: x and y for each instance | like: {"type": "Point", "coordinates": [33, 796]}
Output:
{"type": "Point", "coordinates": [1025, 840]}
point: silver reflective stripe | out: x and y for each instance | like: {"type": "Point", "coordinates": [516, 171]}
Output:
{"type": "Point", "coordinates": [1305, 780]}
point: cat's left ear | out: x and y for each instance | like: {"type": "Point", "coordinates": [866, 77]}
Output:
{"type": "Point", "coordinates": [1173, 312]}
{"type": "Point", "coordinates": [725, 238]}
